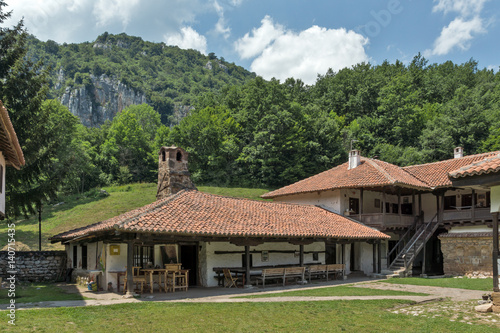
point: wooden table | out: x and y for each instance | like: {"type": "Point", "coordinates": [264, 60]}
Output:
{"type": "Point", "coordinates": [180, 279]}
{"type": "Point", "coordinates": [150, 272]}
{"type": "Point", "coordinates": [237, 271]}
{"type": "Point", "coordinates": [118, 275]}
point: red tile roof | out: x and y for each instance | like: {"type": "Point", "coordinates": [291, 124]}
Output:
{"type": "Point", "coordinates": [489, 165]}
{"type": "Point", "coordinates": [436, 174]}
{"type": "Point", "coordinates": [370, 173]}
{"type": "Point", "coordinates": [9, 144]}
{"type": "Point", "coordinates": [195, 213]}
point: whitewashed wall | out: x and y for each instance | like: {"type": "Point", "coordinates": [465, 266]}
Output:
{"type": "Point", "coordinates": [330, 199]}
{"type": "Point", "coordinates": [208, 259]}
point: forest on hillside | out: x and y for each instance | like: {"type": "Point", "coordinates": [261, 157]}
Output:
{"type": "Point", "coordinates": [247, 133]}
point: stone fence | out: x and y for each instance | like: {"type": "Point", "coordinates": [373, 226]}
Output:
{"type": "Point", "coordinates": [35, 266]}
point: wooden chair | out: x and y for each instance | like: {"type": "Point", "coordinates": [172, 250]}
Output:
{"type": "Point", "coordinates": [229, 280]}
{"type": "Point", "coordinates": [136, 278]}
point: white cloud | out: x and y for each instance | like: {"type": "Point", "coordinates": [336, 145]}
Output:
{"type": "Point", "coordinates": [109, 10]}
{"type": "Point", "coordinates": [83, 20]}
{"type": "Point", "coordinates": [250, 46]}
{"type": "Point", "coordinates": [221, 27]}
{"type": "Point", "coordinates": [283, 54]}
{"type": "Point", "coordinates": [458, 34]}
{"type": "Point", "coordinates": [188, 38]}
{"type": "Point", "coordinates": [463, 7]}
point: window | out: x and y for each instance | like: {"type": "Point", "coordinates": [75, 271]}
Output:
{"type": "Point", "coordinates": [75, 256]}
{"type": "Point", "coordinates": [84, 256]}
{"type": "Point", "coordinates": [163, 156]}
{"type": "Point", "coordinates": [143, 256]}
{"type": "Point", "coordinates": [179, 156]}
{"type": "Point", "coordinates": [377, 203]}
{"type": "Point", "coordinates": [467, 201]}
{"type": "Point", "coordinates": [395, 209]}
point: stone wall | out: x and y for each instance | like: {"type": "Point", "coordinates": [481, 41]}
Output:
{"type": "Point", "coordinates": [467, 253]}
{"type": "Point", "coordinates": [35, 266]}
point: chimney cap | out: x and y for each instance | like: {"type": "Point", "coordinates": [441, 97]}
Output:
{"type": "Point", "coordinates": [458, 152]}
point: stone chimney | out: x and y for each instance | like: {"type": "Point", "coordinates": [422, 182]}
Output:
{"type": "Point", "coordinates": [173, 174]}
{"type": "Point", "coordinates": [354, 159]}
{"type": "Point", "coordinates": [458, 152]}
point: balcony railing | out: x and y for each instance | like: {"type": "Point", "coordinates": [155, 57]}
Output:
{"type": "Point", "coordinates": [466, 214]}
{"type": "Point", "coordinates": [384, 221]}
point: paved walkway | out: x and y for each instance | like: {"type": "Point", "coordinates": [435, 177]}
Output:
{"type": "Point", "coordinates": [223, 295]}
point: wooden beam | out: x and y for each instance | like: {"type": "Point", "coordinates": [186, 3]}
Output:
{"type": "Point", "coordinates": [495, 252]}
{"type": "Point", "coordinates": [130, 264]}
{"type": "Point", "coordinates": [247, 265]}
{"type": "Point", "coordinates": [301, 255]}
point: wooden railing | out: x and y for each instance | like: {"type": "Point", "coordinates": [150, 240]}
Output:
{"type": "Point", "coordinates": [379, 220]}
{"type": "Point", "coordinates": [466, 214]}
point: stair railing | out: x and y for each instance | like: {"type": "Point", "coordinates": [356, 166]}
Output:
{"type": "Point", "coordinates": [406, 236]}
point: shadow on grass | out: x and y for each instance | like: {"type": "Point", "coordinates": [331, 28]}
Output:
{"type": "Point", "coordinates": [42, 292]}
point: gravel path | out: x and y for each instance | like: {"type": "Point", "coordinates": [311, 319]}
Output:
{"type": "Point", "coordinates": [221, 295]}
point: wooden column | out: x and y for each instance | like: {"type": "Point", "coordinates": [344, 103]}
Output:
{"type": "Point", "coordinates": [343, 254]}
{"type": "Point", "coordinates": [438, 211]}
{"type": "Point", "coordinates": [130, 264]}
{"type": "Point", "coordinates": [423, 261]}
{"type": "Point", "coordinates": [399, 206]}
{"type": "Point", "coordinates": [301, 258]}
{"type": "Point", "coordinates": [383, 204]}
{"type": "Point", "coordinates": [420, 208]}
{"type": "Point", "coordinates": [247, 266]}
{"type": "Point", "coordinates": [441, 209]}
{"type": "Point", "coordinates": [379, 263]}
{"type": "Point", "coordinates": [473, 208]}
{"type": "Point", "coordinates": [374, 257]}
{"type": "Point", "coordinates": [413, 205]}
{"type": "Point", "coordinates": [360, 204]}
{"type": "Point", "coordinates": [495, 252]}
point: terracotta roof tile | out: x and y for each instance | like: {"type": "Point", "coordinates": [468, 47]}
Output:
{"type": "Point", "coordinates": [196, 213]}
{"type": "Point", "coordinates": [436, 174]}
{"type": "Point", "coordinates": [489, 165]}
{"type": "Point", "coordinates": [370, 173]}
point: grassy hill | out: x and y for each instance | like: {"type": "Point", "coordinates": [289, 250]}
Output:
{"type": "Point", "coordinates": [81, 210]}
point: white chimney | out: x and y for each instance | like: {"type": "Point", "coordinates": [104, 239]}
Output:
{"type": "Point", "coordinates": [354, 159]}
{"type": "Point", "coordinates": [458, 152]}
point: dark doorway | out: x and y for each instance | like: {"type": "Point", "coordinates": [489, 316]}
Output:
{"type": "Point", "coordinates": [84, 256]}
{"type": "Point", "coordinates": [330, 254]}
{"type": "Point", "coordinates": [354, 205]}
{"type": "Point", "coordinates": [353, 258]}
{"type": "Point", "coordinates": [189, 260]}
{"type": "Point", "coordinates": [392, 244]}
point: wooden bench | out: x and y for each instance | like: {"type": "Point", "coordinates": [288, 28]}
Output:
{"type": "Point", "coordinates": [325, 270]}
{"type": "Point", "coordinates": [294, 272]}
{"type": "Point", "coordinates": [281, 273]}
{"type": "Point", "coordinates": [271, 273]}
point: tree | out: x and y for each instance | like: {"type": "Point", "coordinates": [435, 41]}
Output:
{"type": "Point", "coordinates": [22, 90]}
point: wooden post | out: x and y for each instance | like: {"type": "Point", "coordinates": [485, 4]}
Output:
{"type": "Point", "coordinates": [247, 266]}
{"type": "Point", "coordinates": [473, 208]}
{"type": "Point", "coordinates": [420, 208]}
{"type": "Point", "coordinates": [301, 259]}
{"type": "Point", "coordinates": [413, 205]}
{"type": "Point", "coordinates": [374, 257]}
{"type": "Point", "coordinates": [379, 263]}
{"type": "Point", "coordinates": [441, 209]}
{"type": "Point", "coordinates": [383, 204]}
{"type": "Point", "coordinates": [343, 254]}
{"type": "Point", "coordinates": [130, 264]}
{"type": "Point", "coordinates": [495, 252]}
{"type": "Point", "coordinates": [423, 261]}
{"type": "Point", "coordinates": [360, 204]}
{"type": "Point", "coordinates": [399, 206]}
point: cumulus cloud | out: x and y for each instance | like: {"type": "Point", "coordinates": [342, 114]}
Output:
{"type": "Point", "coordinates": [221, 26]}
{"type": "Point", "coordinates": [251, 45]}
{"type": "Point", "coordinates": [283, 53]}
{"type": "Point", "coordinates": [458, 34]}
{"type": "Point", "coordinates": [188, 38]}
{"type": "Point", "coordinates": [462, 30]}
{"type": "Point", "coordinates": [84, 20]}
{"type": "Point", "coordinates": [463, 7]}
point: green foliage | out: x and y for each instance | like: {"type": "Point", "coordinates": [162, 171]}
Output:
{"type": "Point", "coordinates": [170, 78]}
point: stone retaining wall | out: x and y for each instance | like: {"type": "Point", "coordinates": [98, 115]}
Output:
{"type": "Point", "coordinates": [35, 266]}
{"type": "Point", "coordinates": [468, 253]}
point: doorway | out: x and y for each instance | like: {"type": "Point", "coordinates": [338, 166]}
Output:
{"type": "Point", "coordinates": [331, 254]}
{"type": "Point", "coordinates": [189, 260]}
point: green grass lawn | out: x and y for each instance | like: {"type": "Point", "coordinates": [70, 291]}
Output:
{"type": "Point", "coordinates": [82, 210]}
{"type": "Point", "coordinates": [334, 316]}
{"type": "Point", "coordinates": [462, 283]}
{"type": "Point", "coordinates": [38, 292]}
{"type": "Point", "coordinates": [339, 291]}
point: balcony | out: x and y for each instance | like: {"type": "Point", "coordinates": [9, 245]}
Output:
{"type": "Point", "coordinates": [460, 214]}
{"type": "Point", "coordinates": [385, 221]}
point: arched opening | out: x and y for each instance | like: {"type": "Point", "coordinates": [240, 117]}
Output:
{"type": "Point", "coordinates": [163, 156]}
{"type": "Point", "coordinates": [179, 156]}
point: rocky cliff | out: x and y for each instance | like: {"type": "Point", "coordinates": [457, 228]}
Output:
{"type": "Point", "coordinates": [100, 100]}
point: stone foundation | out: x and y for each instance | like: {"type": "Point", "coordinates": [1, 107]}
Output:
{"type": "Point", "coordinates": [467, 253]}
{"type": "Point", "coordinates": [35, 266]}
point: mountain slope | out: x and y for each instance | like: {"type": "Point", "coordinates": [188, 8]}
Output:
{"type": "Point", "coordinates": [95, 80]}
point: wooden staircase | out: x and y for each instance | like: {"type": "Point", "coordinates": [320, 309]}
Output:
{"type": "Point", "coordinates": [412, 243]}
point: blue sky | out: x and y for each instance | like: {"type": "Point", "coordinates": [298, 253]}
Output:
{"type": "Point", "coordinates": [284, 38]}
